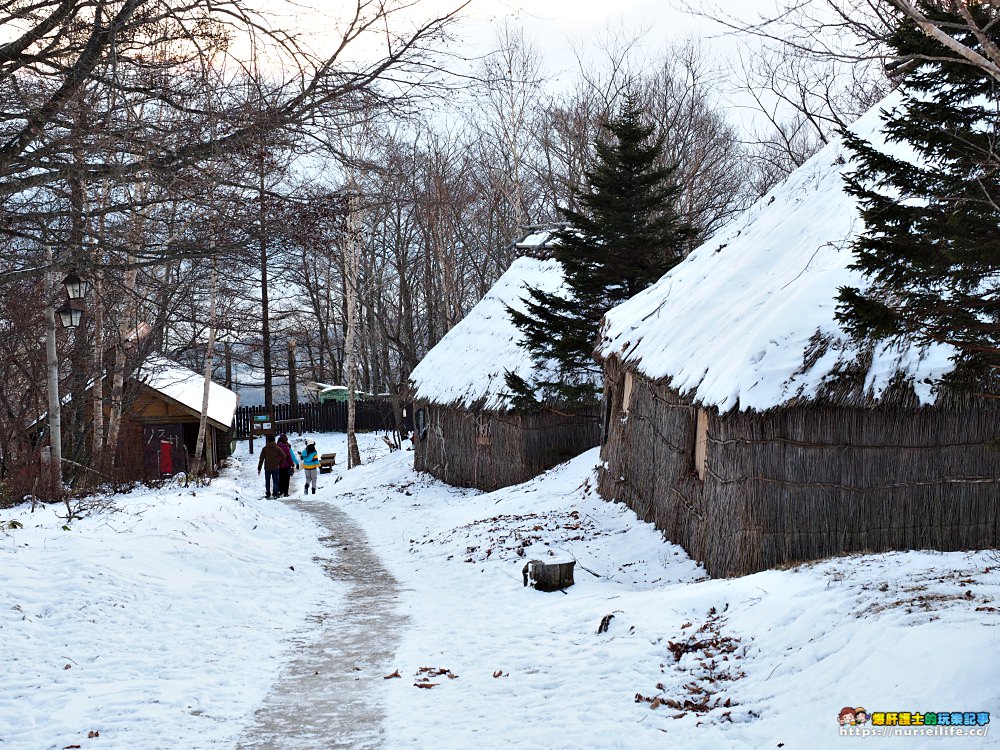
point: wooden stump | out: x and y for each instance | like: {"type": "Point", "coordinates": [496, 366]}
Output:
{"type": "Point", "coordinates": [548, 576]}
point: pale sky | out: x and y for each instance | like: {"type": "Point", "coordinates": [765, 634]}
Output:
{"type": "Point", "coordinates": [554, 26]}
{"type": "Point", "coordinates": [558, 21]}
{"type": "Point", "coordinates": [558, 27]}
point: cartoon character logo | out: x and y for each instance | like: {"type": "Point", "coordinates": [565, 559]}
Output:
{"type": "Point", "coordinates": [846, 716]}
{"type": "Point", "coordinates": [860, 715]}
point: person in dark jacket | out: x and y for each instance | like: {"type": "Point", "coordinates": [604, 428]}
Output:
{"type": "Point", "coordinates": [271, 457]}
{"type": "Point", "coordinates": [288, 462]}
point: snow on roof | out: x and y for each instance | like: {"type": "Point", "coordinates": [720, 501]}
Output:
{"type": "Point", "coordinates": [468, 365]}
{"type": "Point", "coordinates": [747, 320]}
{"type": "Point", "coordinates": [315, 385]}
{"type": "Point", "coordinates": [538, 237]}
{"type": "Point", "coordinates": [186, 387]}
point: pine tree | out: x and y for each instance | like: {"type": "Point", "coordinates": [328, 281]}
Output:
{"type": "Point", "coordinates": [931, 246]}
{"type": "Point", "coordinates": [626, 235]}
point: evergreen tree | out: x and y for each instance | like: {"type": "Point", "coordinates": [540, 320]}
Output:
{"type": "Point", "coordinates": [931, 247]}
{"type": "Point", "coordinates": [626, 235]}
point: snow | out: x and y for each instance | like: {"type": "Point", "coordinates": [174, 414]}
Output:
{"type": "Point", "coordinates": [538, 238]}
{"type": "Point", "coordinates": [733, 324]}
{"type": "Point", "coordinates": [187, 387]}
{"type": "Point", "coordinates": [468, 366]}
{"type": "Point", "coordinates": [175, 614]}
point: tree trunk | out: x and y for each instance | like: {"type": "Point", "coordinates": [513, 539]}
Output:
{"type": "Point", "coordinates": [127, 326]}
{"type": "Point", "coordinates": [196, 461]}
{"type": "Point", "coordinates": [264, 302]}
{"type": "Point", "coordinates": [548, 576]}
{"type": "Point", "coordinates": [293, 387]}
{"type": "Point", "coordinates": [351, 252]}
{"type": "Point", "coordinates": [100, 456]}
{"type": "Point", "coordinates": [52, 361]}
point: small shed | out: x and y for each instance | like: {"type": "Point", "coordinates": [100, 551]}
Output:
{"type": "Point", "coordinates": [336, 393]}
{"type": "Point", "coordinates": [167, 408]}
{"type": "Point", "coordinates": [324, 392]}
{"type": "Point", "coordinates": [743, 422]}
{"type": "Point", "coordinates": [466, 431]}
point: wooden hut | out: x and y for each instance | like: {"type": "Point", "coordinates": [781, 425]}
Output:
{"type": "Point", "coordinates": [744, 423]}
{"type": "Point", "coordinates": [166, 406]}
{"type": "Point", "coordinates": [466, 432]}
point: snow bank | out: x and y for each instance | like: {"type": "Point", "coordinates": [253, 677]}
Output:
{"type": "Point", "coordinates": [645, 651]}
{"type": "Point", "coordinates": [161, 625]}
{"type": "Point", "coordinates": [174, 615]}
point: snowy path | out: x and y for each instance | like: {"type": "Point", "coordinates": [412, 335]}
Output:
{"type": "Point", "coordinates": [324, 697]}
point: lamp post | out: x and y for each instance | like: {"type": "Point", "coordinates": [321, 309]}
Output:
{"type": "Point", "coordinates": [70, 315]}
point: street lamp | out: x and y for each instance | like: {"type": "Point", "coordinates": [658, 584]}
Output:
{"type": "Point", "coordinates": [71, 313]}
{"type": "Point", "coordinates": [76, 288]}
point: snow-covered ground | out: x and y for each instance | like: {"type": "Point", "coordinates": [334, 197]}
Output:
{"type": "Point", "coordinates": [164, 624]}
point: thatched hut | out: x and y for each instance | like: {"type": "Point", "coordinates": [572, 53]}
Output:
{"type": "Point", "coordinates": [466, 431]}
{"type": "Point", "coordinates": [745, 424]}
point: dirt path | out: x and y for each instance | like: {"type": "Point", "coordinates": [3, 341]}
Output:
{"type": "Point", "coordinates": [327, 696]}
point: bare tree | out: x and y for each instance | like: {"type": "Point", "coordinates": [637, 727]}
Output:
{"type": "Point", "coordinates": [681, 98]}
{"type": "Point", "coordinates": [199, 446]}
{"type": "Point", "coordinates": [806, 72]}
{"type": "Point", "coordinates": [510, 80]}
{"type": "Point", "coordinates": [352, 259]}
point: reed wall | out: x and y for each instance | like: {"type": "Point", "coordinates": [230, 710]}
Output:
{"type": "Point", "coordinates": [804, 482]}
{"type": "Point", "coordinates": [489, 450]}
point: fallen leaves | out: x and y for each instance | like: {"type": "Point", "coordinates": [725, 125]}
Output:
{"type": "Point", "coordinates": [424, 676]}
{"type": "Point", "coordinates": [508, 536]}
{"type": "Point", "coordinates": [711, 659]}
{"type": "Point", "coordinates": [428, 672]}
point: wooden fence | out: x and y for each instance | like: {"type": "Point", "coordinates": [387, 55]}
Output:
{"type": "Point", "coordinates": [328, 417]}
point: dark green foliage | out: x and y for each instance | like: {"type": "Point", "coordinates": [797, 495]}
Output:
{"type": "Point", "coordinates": [626, 235]}
{"type": "Point", "coordinates": [931, 247]}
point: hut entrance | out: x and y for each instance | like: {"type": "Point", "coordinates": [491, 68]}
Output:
{"type": "Point", "coordinates": [165, 452]}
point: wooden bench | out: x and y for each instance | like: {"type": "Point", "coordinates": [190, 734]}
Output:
{"type": "Point", "coordinates": [326, 462]}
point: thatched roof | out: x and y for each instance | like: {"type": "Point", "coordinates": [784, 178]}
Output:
{"type": "Point", "coordinates": [747, 320]}
{"type": "Point", "coordinates": [538, 241]}
{"type": "Point", "coordinates": [467, 367]}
